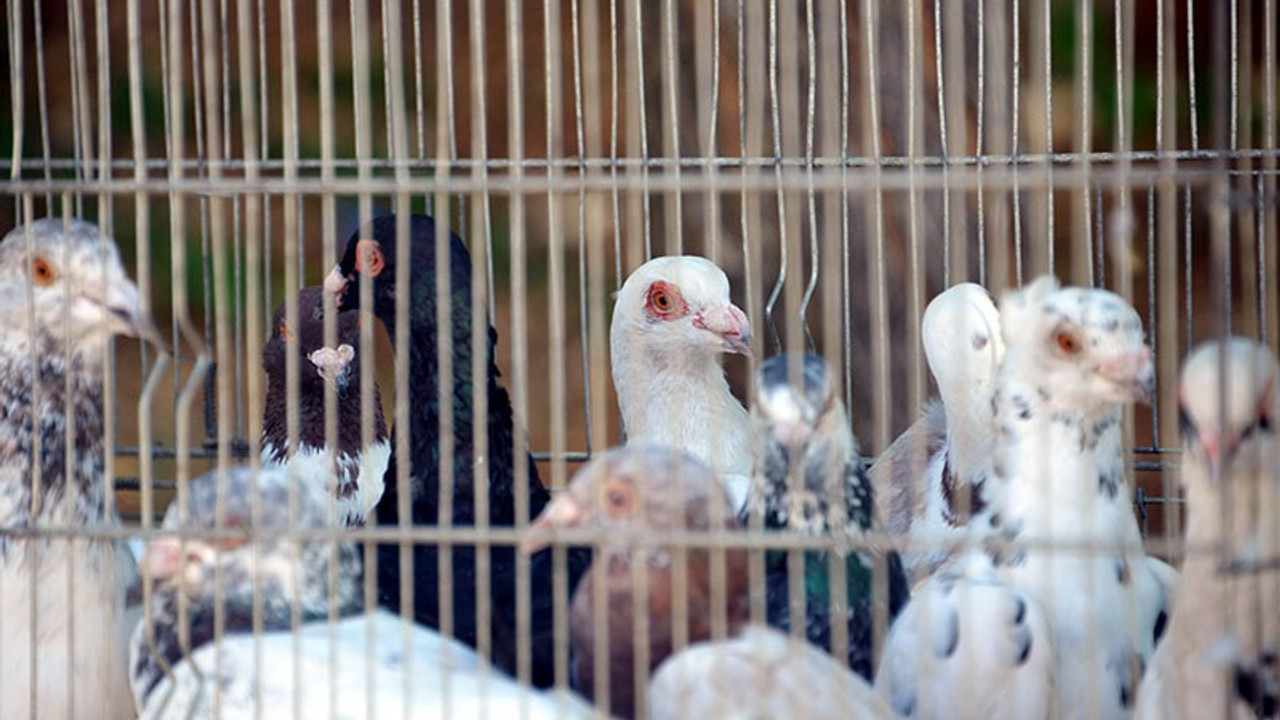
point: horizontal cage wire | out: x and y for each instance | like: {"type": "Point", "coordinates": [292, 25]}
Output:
{"type": "Point", "coordinates": [843, 163]}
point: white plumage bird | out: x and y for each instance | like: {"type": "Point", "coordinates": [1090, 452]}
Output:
{"type": "Point", "coordinates": [1219, 657]}
{"type": "Point", "coordinates": [1059, 509]}
{"type": "Point", "coordinates": [671, 322]}
{"type": "Point", "coordinates": [761, 673]}
{"type": "Point", "coordinates": [63, 295]}
{"type": "Point", "coordinates": [363, 665]}
{"type": "Point", "coordinates": [1075, 358]}
{"type": "Point", "coordinates": [929, 481]}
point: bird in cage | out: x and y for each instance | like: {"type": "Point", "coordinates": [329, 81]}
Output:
{"type": "Point", "coordinates": [352, 471]}
{"type": "Point", "coordinates": [761, 673]}
{"type": "Point", "coordinates": [1059, 523]}
{"type": "Point", "coordinates": [929, 482]}
{"type": "Point", "coordinates": [372, 252]}
{"type": "Point", "coordinates": [672, 320]}
{"type": "Point", "coordinates": [265, 620]}
{"type": "Point", "coordinates": [635, 498]}
{"type": "Point", "coordinates": [1219, 657]}
{"type": "Point", "coordinates": [63, 642]}
{"type": "Point", "coordinates": [969, 645]}
{"type": "Point", "coordinates": [804, 431]}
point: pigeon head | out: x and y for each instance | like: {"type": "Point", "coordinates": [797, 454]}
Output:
{"type": "Point", "coordinates": [253, 557]}
{"type": "Point", "coordinates": [318, 364]}
{"type": "Point", "coordinates": [962, 342]}
{"type": "Point", "coordinates": [791, 413]}
{"type": "Point", "coordinates": [678, 306]}
{"type": "Point", "coordinates": [636, 490]}
{"type": "Point", "coordinates": [1085, 345]}
{"type": "Point", "coordinates": [68, 280]}
{"type": "Point", "coordinates": [1229, 404]}
{"type": "Point", "coordinates": [371, 251]}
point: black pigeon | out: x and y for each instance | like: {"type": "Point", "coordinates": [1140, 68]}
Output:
{"type": "Point", "coordinates": [63, 295]}
{"type": "Point", "coordinates": [372, 250]}
{"type": "Point", "coordinates": [298, 663]}
{"type": "Point", "coordinates": [353, 475]}
{"type": "Point", "coordinates": [805, 425]}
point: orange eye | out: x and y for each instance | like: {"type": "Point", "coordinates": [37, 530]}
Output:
{"type": "Point", "coordinates": [1067, 342]}
{"type": "Point", "coordinates": [42, 271]}
{"type": "Point", "coordinates": [369, 257]}
{"type": "Point", "coordinates": [664, 301]}
{"type": "Point", "coordinates": [284, 331]}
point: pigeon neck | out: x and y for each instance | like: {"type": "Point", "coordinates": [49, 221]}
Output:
{"type": "Point", "coordinates": [1060, 471]}
{"type": "Point", "coordinates": [672, 399]}
{"type": "Point", "coordinates": [310, 411]}
{"type": "Point", "coordinates": [67, 401]}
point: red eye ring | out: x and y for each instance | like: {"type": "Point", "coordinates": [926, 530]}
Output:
{"type": "Point", "coordinates": [664, 301]}
{"type": "Point", "coordinates": [1067, 342]}
{"type": "Point", "coordinates": [42, 271]}
{"type": "Point", "coordinates": [369, 257]}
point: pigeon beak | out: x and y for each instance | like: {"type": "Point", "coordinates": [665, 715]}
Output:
{"type": "Point", "coordinates": [126, 315]}
{"type": "Point", "coordinates": [1135, 372]}
{"type": "Point", "coordinates": [564, 511]}
{"type": "Point", "coordinates": [335, 283]}
{"type": "Point", "coordinates": [163, 558]}
{"type": "Point", "coordinates": [333, 365]}
{"type": "Point", "coordinates": [730, 323]}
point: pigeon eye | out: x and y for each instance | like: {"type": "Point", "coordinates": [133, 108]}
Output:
{"type": "Point", "coordinates": [1067, 342]}
{"type": "Point", "coordinates": [617, 499]}
{"type": "Point", "coordinates": [284, 331]}
{"type": "Point", "coordinates": [42, 271]}
{"type": "Point", "coordinates": [663, 301]}
{"type": "Point", "coordinates": [369, 257]}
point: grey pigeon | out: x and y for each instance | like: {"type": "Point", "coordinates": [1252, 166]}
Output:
{"type": "Point", "coordinates": [317, 654]}
{"type": "Point", "coordinates": [63, 295]}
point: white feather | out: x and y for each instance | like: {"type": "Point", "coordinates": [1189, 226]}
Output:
{"type": "Point", "coordinates": [367, 666]}
{"type": "Point", "coordinates": [671, 387]}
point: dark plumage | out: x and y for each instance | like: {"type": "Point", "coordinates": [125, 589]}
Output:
{"type": "Point", "coordinates": [355, 479]}
{"type": "Point", "coordinates": [645, 492]}
{"type": "Point", "coordinates": [63, 295]}
{"type": "Point", "coordinates": [804, 426]}
{"type": "Point", "coordinates": [372, 250]}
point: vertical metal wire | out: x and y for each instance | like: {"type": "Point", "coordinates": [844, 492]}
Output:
{"type": "Point", "coordinates": [673, 209]}
{"type": "Point", "coordinates": [1269, 287]}
{"type": "Point", "coordinates": [519, 325]}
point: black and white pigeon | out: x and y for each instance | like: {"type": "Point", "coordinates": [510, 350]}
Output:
{"type": "Point", "coordinates": [63, 618]}
{"type": "Point", "coordinates": [929, 482]}
{"type": "Point", "coordinates": [352, 472]}
{"type": "Point", "coordinates": [672, 321]}
{"type": "Point", "coordinates": [371, 251]}
{"type": "Point", "coordinates": [315, 653]}
{"type": "Point", "coordinates": [1059, 503]}
{"type": "Point", "coordinates": [804, 431]}
{"type": "Point", "coordinates": [627, 496]}
{"type": "Point", "coordinates": [1219, 658]}
{"type": "Point", "coordinates": [761, 673]}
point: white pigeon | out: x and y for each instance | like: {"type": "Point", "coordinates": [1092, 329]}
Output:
{"type": "Point", "coordinates": [360, 665]}
{"type": "Point", "coordinates": [1219, 657]}
{"type": "Point", "coordinates": [63, 295]}
{"type": "Point", "coordinates": [761, 673]}
{"type": "Point", "coordinates": [968, 646]}
{"type": "Point", "coordinates": [671, 322]}
{"type": "Point", "coordinates": [1075, 358]}
{"type": "Point", "coordinates": [929, 481]}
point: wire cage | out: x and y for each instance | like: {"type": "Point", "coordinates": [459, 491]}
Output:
{"type": "Point", "coordinates": [843, 162]}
